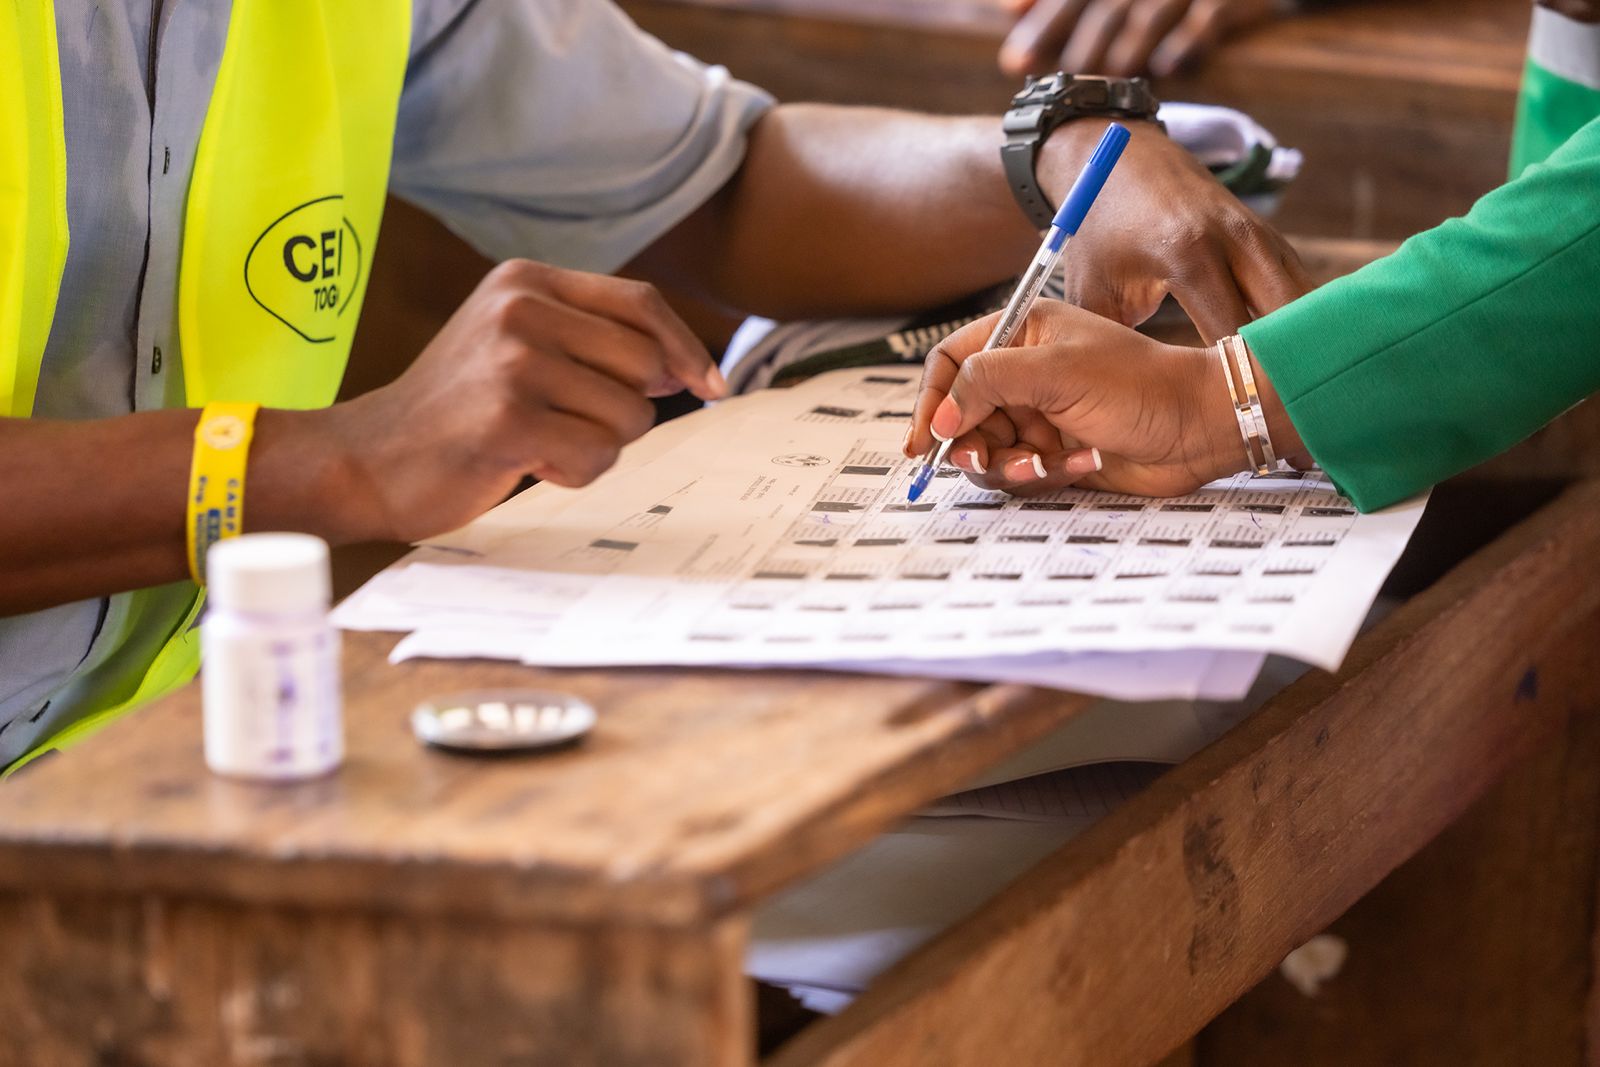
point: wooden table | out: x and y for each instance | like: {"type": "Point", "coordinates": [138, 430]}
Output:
{"type": "Point", "coordinates": [591, 907]}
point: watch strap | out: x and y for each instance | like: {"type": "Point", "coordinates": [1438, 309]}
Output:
{"type": "Point", "coordinates": [1045, 103]}
{"type": "Point", "coordinates": [1019, 156]}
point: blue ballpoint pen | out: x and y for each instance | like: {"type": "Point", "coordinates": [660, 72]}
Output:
{"type": "Point", "coordinates": [1062, 228]}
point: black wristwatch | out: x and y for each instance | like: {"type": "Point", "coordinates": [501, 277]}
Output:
{"type": "Point", "coordinates": [1046, 103]}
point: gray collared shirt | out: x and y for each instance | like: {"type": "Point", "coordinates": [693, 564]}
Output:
{"type": "Point", "coordinates": [551, 129]}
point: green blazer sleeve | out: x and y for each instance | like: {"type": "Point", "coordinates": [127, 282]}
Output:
{"type": "Point", "coordinates": [1470, 337]}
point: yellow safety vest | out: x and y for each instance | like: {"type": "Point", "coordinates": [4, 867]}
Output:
{"type": "Point", "coordinates": [280, 226]}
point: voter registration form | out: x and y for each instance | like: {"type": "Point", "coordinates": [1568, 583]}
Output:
{"type": "Point", "coordinates": [774, 529]}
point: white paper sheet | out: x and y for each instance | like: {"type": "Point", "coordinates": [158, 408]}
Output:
{"type": "Point", "coordinates": [843, 927]}
{"type": "Point", "coordinates": [774, 529]}
{"type": "Point", "coordinates": [1191, 674]}
{"type": "Point", "coordinates": [1188, 674]}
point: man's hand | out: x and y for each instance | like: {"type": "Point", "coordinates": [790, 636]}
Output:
{"type": "Point", "coordinates": [1121, 37]}
{"type": "Point", "coordinates": [859, 211]}
{"type": "Point", "coordinates": [542, 371]}
{"type": "Point", "coordinates": [1082, 400]}
{"type": "Point", "coordinates": [1165, 225]}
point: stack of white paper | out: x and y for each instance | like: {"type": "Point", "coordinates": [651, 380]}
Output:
{"type": "Point", "coordinates": [774, 530]}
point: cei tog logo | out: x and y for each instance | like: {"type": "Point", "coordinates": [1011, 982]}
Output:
{"type": "Point", "coordinates": [305, 267]}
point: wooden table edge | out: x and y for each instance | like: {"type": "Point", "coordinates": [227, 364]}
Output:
{"type": "Point", "coordinates": [989, 724]}
{"type": "Point", "coordinates": [1200, 959]}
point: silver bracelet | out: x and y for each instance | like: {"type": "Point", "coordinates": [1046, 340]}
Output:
{"type": "Point", "coordinates": [1241, 355]}
{"type": "Point", "coordinates": [1247, 429]}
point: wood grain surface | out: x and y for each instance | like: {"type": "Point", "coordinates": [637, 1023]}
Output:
{"type": "Point", "coordinates": [699, 792]}
{"type": "Point", "coordinates": [1478, 952]}
{"type": "Point", "coordinates": [122, 980]}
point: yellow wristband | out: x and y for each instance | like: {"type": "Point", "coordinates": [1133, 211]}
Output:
{"type": "Point", "coordinates": [216, 479]}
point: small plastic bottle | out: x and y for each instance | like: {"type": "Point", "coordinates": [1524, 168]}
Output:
{"type": "Point", "coordinates": [270, 666]}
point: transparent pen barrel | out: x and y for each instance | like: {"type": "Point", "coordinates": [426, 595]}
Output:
{"type": "Point", "coordinates": [1028, 288]}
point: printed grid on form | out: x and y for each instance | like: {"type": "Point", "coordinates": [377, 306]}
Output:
{"type": "Point", "coordinates": [1084, 562]}
{"type": "Point", "coordinates": [775, 529]}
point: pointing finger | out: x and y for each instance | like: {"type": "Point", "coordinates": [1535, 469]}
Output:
{"type": "Point", "coordinates": [939, 371]}
{"type": "Point", "coordinates": [641, 305]}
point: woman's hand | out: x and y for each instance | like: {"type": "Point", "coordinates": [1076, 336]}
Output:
{"type": "Point", "coordinates": [1122, 37]}
{"type": "Point", "coordinates": [1082, 400]}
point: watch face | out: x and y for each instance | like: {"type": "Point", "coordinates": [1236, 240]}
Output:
{"type": "Point", "coordinates": [1064, 95]}
{"type": "Point", "coordinates": [1041, 89]}
{"type": "Point", "coordinates": [1090, 93]}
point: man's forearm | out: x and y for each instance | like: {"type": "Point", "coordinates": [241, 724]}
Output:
{"type": "Point", "coordinates": [97, 507]}
{"type": "Point", "coordinates": [843, 210]}
{"type": "Point", "coordinates": [541, 371]}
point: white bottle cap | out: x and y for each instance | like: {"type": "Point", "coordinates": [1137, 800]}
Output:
{"type": "Point", "coordinates": [271, 573]}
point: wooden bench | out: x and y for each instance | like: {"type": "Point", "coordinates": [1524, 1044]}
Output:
{"type": "Point", "coordinates": [1403, 107]}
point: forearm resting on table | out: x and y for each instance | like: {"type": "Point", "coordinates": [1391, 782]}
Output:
{"type": "Point", "coordinates": [97, 507]}
{"type": "Point", "coordinates": [852, 210]}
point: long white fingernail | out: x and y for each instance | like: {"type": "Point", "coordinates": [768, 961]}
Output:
{"type": "Point", "coordinates": [1038, 464]}
{"type": "Point", "coordinates": [937, 436]}
{"type": "Point", "coordinates": [1018, 469]}
{"type": "Point", "coordinates": [1099, 464]}
{"type": "Point", "coordinates": [977, 466]}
